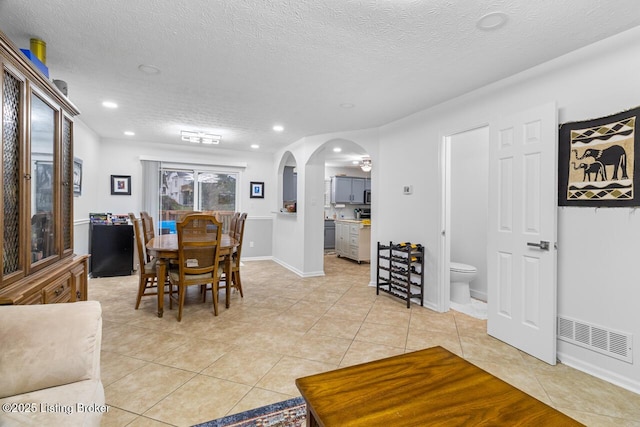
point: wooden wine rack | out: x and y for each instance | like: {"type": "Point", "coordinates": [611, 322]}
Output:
{"type": "Point", "coordinates": [401, 271]}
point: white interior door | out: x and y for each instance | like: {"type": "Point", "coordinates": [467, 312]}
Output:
{"type": "Point", "coordinates": [521, 254]}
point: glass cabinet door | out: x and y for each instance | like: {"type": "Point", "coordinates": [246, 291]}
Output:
{"type": "Point", "coordinates": [43, 180]}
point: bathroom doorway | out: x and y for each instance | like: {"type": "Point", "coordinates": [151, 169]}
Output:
{"type": "Point", "coordinates": [466, 180]}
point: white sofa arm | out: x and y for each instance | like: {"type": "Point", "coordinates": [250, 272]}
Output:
{"type": "Point", "coordinates": [49, 345]}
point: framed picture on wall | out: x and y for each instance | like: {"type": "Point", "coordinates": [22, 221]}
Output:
{"type": "Point", "coordinates": [77, 176]}
{"type": "Point", "coordinates": [121, 185]}
{"type": "Point", "coordinates": [257, 190]}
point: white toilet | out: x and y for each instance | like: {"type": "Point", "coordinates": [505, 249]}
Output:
{"type": "Point", "coordinates": [460, 276]}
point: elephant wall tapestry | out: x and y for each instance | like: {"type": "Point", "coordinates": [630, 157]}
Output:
{"type": "Point", "coordinates": [597, 162]}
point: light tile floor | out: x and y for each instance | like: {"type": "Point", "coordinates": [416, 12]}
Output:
{"type": "Point", "coordinates": [160, 372]}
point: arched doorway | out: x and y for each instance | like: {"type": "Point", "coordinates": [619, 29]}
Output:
{"type": "Point", "coordinates": [334, 158]}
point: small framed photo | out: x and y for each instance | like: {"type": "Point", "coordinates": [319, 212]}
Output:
{"type": "Point", "coordinates": [121, 185]}
{"type": "Point", "coordinates": [77, 176]}
{"type": "Point", "coordinates": [257, 190]}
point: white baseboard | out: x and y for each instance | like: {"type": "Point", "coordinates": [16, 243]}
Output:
{"type": "Point", "coordinates": [257, 258]}
{"type": "Point", "coordinates": [430, 305]}
{"type": "Point", "coordinates": [598, 372]}
{"type": "Point", "coordinates": [298, 272]}
{"type": "Point", "coordinates": [482, 296]}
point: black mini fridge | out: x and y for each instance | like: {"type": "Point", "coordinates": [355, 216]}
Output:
{"type": "Point", "coordinates": [111, 248]}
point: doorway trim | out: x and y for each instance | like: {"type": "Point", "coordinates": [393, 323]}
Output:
{"type": "Point", "coordinates": [444, 286]}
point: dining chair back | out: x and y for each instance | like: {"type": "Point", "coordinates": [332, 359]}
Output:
{"type": "Point", "coordinates": [225, 218]}
{"type": "Point", "coordinates": [233, 224]}
{"type": "Point", "coordinates": [235, 267]}
{"type": "Point", "coordinates": [147, 277]}
{"type": "Point", "coordinates": [198, 257]}
{"type": "Point", "coordinates": [147, 230]}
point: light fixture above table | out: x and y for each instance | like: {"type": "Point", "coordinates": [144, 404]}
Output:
{"type": "Point", "coordinates": [200, 137]}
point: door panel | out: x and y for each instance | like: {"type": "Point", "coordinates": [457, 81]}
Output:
{"type": "Point", "coordinates": [522, 212]}
{"type": "Point", "coordinates": [504, 284]}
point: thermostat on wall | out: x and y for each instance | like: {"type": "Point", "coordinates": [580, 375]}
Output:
{"type": "Point", "coordinates": [407, 189]}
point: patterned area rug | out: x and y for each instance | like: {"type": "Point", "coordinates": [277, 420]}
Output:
{"type": "Point", "coordinates": [289, 413]}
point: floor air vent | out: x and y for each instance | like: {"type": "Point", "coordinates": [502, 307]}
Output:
{"type": "Point", "coordinates": [612, 343]}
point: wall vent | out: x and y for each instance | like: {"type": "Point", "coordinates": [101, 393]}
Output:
{"type": "Point", "coordinates": [606, 341]}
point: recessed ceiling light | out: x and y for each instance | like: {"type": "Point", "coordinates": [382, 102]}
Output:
{"type": "Point", "coordinates": [278, 128]}
{"type": "Point", "coordinates": [129, 133]}
{"type": "Point", "coordinates": [150, 70]}
{"type": "Point", "coordinates": [337, 149]}
{"type": "Point", "coordinates": [492, 21]}
{"type": "Point", "coordinates": [347, 105]}
{"type": "Point", "coordinates": [255, 146]}
{"type": "Point", "coordinates": [109, 104]}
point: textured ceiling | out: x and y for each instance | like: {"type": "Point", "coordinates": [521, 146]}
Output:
{"type": "Point", "coordinates": [237, 67]}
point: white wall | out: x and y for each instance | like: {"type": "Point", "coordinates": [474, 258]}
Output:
{"type": "Point", "coordinates": [122, 157]}
{"type": "Point", "coordinates": [86, 146]}
{"type": "Point", "coordinates": [469, 203]}
{"type": "Point", "coordinates": [596, 248]}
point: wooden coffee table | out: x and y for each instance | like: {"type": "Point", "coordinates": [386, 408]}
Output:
{"type": "Point", "coordinates": [431, 387]}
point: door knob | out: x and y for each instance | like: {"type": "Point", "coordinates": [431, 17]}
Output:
{"type": "Point", "coordinates": [543, 245]}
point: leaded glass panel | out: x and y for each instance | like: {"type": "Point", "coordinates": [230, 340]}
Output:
{"type": "Point", "coordinates": [11, 173]}
{"type": "Point", "coordinates": [67, 179]}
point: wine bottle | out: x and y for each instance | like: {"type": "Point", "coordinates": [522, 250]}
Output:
{"type": "Point", "coordinates": [417, 246]}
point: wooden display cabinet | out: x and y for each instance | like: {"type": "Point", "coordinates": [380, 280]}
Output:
{"type": "Point", "coordinates": [38, 264]}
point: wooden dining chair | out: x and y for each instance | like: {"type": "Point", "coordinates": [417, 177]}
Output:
{"type": "Point", "coordinates": [225, 218]}
{"type": "Point", "coordinates": [148, 280]}
{"type": "Point", "coordinates": [198, 258]}
{"type": "Point", "coordinates": [147, 226]}
{"type": "Point", "coordinates": [233, 224]}
{"type": "Point", "coordinates": [235, 261]}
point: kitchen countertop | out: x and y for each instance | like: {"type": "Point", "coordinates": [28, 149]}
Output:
{"type": "Point", "coordinates": [352, 221]}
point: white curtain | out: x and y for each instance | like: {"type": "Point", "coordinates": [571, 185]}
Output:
{"type": "Point", "coordinates": [151, 187]}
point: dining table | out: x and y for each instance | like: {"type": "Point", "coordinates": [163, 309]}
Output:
{"type": "Point", "coordinates": [165, 248]}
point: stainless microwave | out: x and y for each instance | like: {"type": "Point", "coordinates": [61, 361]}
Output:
{"type": "Point", "coordinates": [367, 197]}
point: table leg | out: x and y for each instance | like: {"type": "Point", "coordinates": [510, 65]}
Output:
{"type": "Point", "coordinates": [161, 271]}
{"type": "Point", "coordinates": [311, 420]}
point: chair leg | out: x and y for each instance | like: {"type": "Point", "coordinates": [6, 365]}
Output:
{"type": "Point", "coordinates": [142, 284]}
{"type": "Point", "coordinates": [214, 291]}
{"type": "Point", "coordinates": [203, 291]}
{"type": "Point", "coordinates": [237, 283]}
{"type": "Point", "coordinates": [181, 292]}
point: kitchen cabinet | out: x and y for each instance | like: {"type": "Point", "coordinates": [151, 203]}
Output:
{"type": "Point", "coordinates": [38, 264]}
{"type": "Point", "coordinates": [346, 189]}
{"type": "Point", "coordinates": [353, 240]}
{"type": "Point", "coordinates": [329, 234]}
{"type": "Point", "coordinates": [342, 238]}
